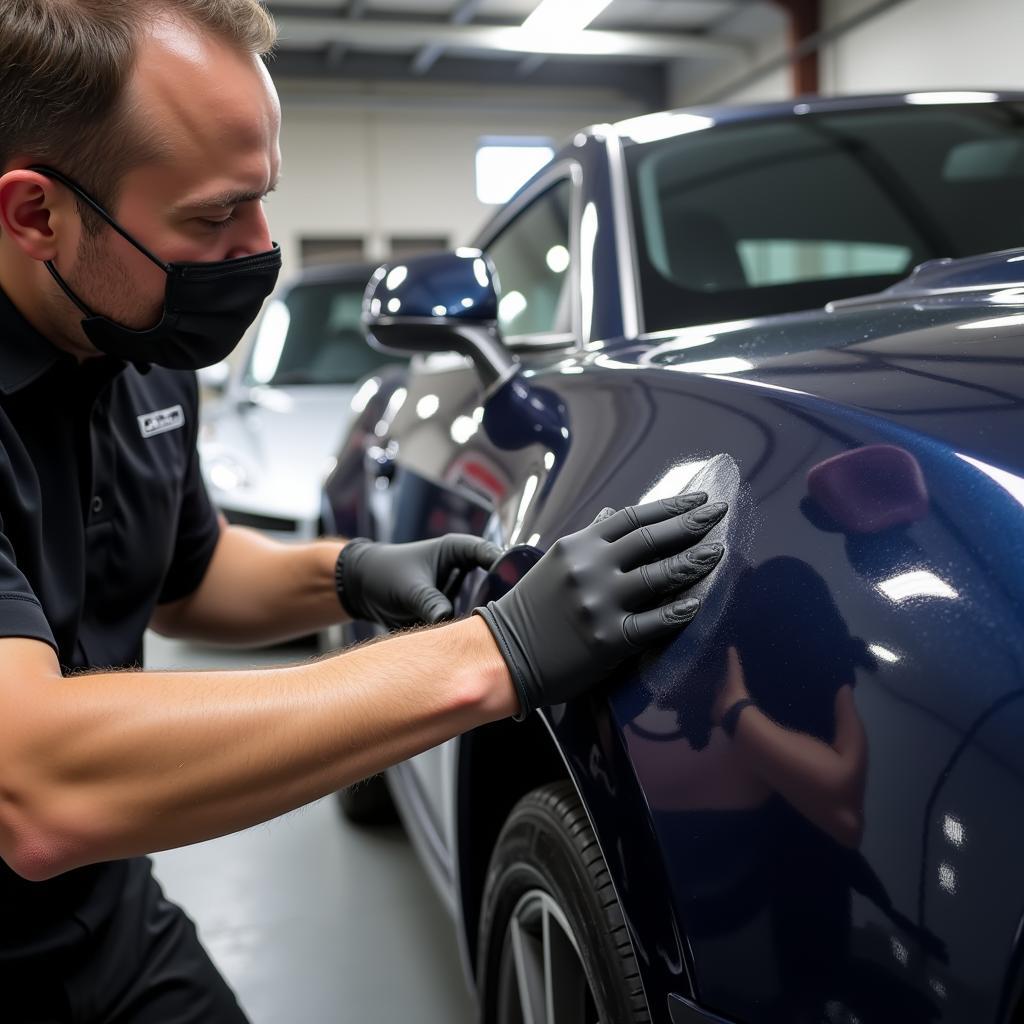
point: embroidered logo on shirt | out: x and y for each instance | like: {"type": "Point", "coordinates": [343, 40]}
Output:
{"type": "Point", "coordinates": [162, 420]}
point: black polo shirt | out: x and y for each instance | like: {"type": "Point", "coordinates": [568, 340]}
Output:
{"type": "Point", "coordinates": [103, 515]}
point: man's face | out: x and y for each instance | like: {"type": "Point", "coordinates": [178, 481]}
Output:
{"type": "Point", "coordinates": [216, 117]}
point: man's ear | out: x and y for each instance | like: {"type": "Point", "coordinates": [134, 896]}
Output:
{"type": "Point", "coordinates": [33, 209]}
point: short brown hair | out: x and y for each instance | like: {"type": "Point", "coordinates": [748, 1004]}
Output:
{"type": "Point", "coordinates": [64, 66]}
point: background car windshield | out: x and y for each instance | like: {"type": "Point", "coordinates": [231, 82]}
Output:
{"type": "Point", "coordinates": [313, 335]}
{"type": "Point", "coordinates": [749, 220]}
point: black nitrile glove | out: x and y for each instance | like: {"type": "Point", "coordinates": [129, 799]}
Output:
{"type": "Point", "coordinates": [602, 594]}
{"type": "Point", "coordinates": [403, 584]}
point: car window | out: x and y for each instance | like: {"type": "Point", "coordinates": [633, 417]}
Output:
{"type": "Point", "coordinates": [534, 267]}
{"type": "Point", "coordinates": [313, 335]}
{"type": "Point", "coordinates": [747, 220]}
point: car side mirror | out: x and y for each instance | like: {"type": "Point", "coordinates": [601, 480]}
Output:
{"type": "Point", "coordinates": [443, 302]}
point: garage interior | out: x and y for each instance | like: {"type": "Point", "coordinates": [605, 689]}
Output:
{"type": "Point", "coordinates": [387, 105]}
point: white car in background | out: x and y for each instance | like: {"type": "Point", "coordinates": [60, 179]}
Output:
{"type": "Point", "coordinates": [269, 433]}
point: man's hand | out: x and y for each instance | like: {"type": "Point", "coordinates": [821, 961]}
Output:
{"type": "Point", "coordinates": [405, 584]}
{"type": "Point", "coordinates": [601, 594]}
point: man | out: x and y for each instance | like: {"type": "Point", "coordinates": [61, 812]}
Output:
{"type": "Point", "coordinates": [137, 139]}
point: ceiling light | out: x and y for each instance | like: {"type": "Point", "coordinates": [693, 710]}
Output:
{"type": "Point", "coordinates": [564, 15]}
{"type": "Point", "coordinates": [917, 583]}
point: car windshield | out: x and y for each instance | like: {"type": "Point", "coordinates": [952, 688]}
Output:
{"type": "Point", "coordinates": [747, 220]}
{"type": "Point", "coordinates": [312, 335]}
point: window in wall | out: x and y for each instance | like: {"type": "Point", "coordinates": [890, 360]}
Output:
{"type": "Point", "coordinates": [316, 252]}
{"type": "Point", "coordinates": [405, 246]}
{"type": "Point", "coordinates": [505, 163]}
{"type": "Point", "coordinates": [532, 259]}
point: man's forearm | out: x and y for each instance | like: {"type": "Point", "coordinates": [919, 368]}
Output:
{"type": "Point", "coordinates": [119, 764]}
{"type": "Point", "coordinates": [258, 591]}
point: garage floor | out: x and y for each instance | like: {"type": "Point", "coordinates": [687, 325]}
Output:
{"type": "Point", "coordinates": [311, 920]}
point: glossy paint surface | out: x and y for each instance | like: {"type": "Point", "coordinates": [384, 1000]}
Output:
{"type": "Point", "coordinates": [858, 856]}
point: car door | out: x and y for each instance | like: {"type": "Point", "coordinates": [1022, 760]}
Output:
{"type": "Point", "coordinates": [442, 482]}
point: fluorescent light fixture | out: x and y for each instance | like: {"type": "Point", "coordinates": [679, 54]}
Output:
{"type": "Point", "coordinates": [883, 653]}
{"type": "Point", "coordinates": [1017, 320]}
{"type": "Point", "coordinates": [557, 259]}
{"type": "Point", "coordinates": [362, 397]}
{"type": "Point", "coordinates": [511, 306]}
{"type": "Point", "coordinates": [502, 168]}
{"type": "Point", "coordinates": [588, 247]}
{"type": "Point", "coordinates": [655, 127]}
{"type": "Point", "coordinates": [1010, 482]}
{"type": "Point", "coordinates": [727, 364]}
{"type": "Point", "coordinates": [938, 98]}
{"type": "Point", "coordinates": [559, 16]}
{"type": "Point", "coordinates": [462, 429]}
{"type": "Point", "coordinates": [919, 583]}
{"type": "Point", "coordinates": [396, 277]}
{"type": "Point", "coordinates": [529, 490]}
{"type": "Point", "coordinates": [427, 406]}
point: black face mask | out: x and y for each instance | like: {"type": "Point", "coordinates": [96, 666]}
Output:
{"type": "Point", "coordinates": [207, 306]}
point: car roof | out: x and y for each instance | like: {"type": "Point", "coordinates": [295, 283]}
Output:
{"type": "Point", "coordinates": [737, 113]}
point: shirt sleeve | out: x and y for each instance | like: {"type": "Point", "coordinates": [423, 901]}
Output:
{"type": "Point", "coordinates": [21, 614]}
{"type": "Point", "coordinates": [198, 530]}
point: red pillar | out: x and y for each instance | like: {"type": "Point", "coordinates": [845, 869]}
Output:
{"type": "Point", "coordinates": [804, 21]}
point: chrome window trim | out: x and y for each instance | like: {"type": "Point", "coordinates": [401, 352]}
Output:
{"type": "Point", "coordinates": [629, 270]}
{"type": "Point", "coordinates": [562, 170]}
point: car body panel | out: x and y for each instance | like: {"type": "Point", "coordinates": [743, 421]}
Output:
{"type": "Point", "coordinates": [752, 905]}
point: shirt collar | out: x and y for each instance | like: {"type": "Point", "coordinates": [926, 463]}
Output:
{"type": "Point", "coordinates": [25, 355]}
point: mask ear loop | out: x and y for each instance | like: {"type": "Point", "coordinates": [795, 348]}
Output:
{"type": "Point", "coordinates": [66, 290]}
{"type": "Point", "coordinates": [49, 172]}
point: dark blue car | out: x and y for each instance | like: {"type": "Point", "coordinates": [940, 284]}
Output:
{"type": "Point", "coordinates": [727, 300]}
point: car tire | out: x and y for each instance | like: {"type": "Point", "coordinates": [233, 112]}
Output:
{"type": "Point", "coordinates": [549, 900]}
{"type": "Point", "coordinates": [368, 802]}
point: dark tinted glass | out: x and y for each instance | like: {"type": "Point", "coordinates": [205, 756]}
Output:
{"type": "Point", "coordinates": [313, 335]}
{"type": "Point", "coordinates": [534, 267]}
{"type": "Point", "coordinates": [748, 220]}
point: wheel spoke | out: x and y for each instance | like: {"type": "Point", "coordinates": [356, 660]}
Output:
{"type": "Point", "coordinates": [529, 974]}
{"type": "Point", "coordinates": [566, 983]}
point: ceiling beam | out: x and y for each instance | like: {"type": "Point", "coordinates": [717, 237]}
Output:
{"type": "Point", "coordinates": [398, 36]}
{"type": "Point", "coordinates": [357, 9]}
{"type": "Point", "coordinates": [643, 86]}
{"type": "Point", "coordinates": [463, 14]}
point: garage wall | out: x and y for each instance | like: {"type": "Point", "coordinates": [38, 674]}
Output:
{"type": "Point", "coordinates": [397, 164]}
{"type": "Point", "coordinates": [918, 44]}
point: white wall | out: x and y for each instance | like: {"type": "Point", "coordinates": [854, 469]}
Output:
{"type": "Point", "coordinates": [386, 163]}
{"type": "Point", "coordinates": [928, 44]}
{"type": "Point", "coordinates": [918, 44]}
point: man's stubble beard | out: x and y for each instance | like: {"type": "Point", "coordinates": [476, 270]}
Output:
{"type": "Point", "coordinates": [107, 287]}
